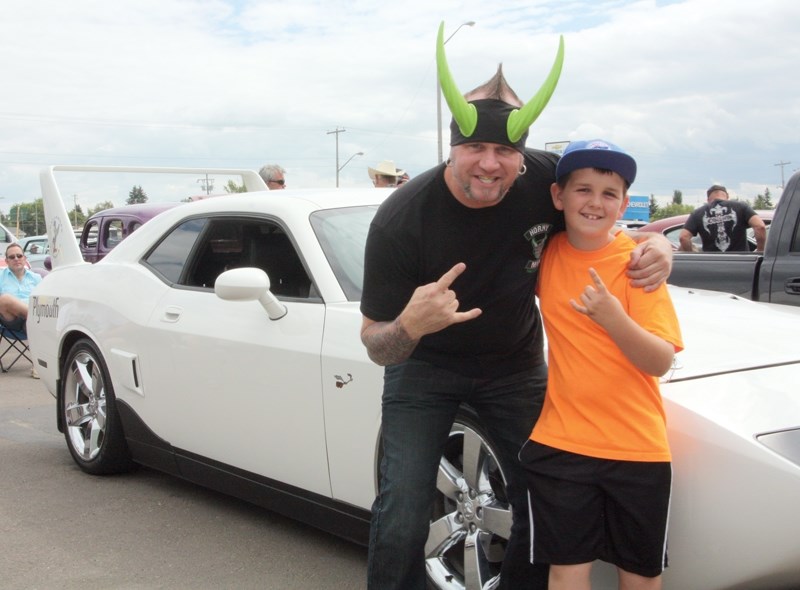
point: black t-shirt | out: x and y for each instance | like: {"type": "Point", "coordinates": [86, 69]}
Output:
{"type": "Point", "coordinates": [722, 225]}
{"type": "Point", "coordinates": [421, 231]}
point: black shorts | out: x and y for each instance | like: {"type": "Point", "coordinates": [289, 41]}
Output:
{"type": "Point", "coordinates": [585, 508]}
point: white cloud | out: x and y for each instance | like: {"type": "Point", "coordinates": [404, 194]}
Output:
{"type": "Point", "coordinates": [699, 91]}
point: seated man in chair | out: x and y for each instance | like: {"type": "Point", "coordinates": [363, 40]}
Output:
{"type": "Point", "coordinates": [16, 284]}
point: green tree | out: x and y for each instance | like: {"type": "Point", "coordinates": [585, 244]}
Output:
{"type": "Point", "coordinates": [764, 201]}
{"type": "Point", "coordinates": [100, 207]}
{"type": "Point", "coordinates": [671, 210]}
{"type": "Point", "coordinates": [39, 225]}
{"type": "Point", "coordinates": [677, 197]}
{"type": "Point", "coordinates": [137, 195]}
{"type": "Point", "coordinates": [77, 216]}
{"type": "Point", "coordinates": [27, 218]}
{"type": "Point", "coordinates": [653, 207]}
{"type": "Point", "coordinates": [232, 187]}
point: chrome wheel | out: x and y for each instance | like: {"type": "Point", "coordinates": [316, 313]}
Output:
{"type": "Point", "coordinates": [85, 406]}
{"type": "Point", "coordinates": [472, 519]}
{"type": "Point", "coordinates": [88, 413]}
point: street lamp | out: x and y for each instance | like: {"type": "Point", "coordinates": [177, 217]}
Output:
{"type": "Point", "coordinates": [345, 164]}
{"type": "Point", "coordinates": [469, 23]}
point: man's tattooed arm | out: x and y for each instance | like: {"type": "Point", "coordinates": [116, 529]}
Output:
{"type": "Point", "coordinates": [432, 307]}
{"type": "Point", "coordinates": [387, 343]}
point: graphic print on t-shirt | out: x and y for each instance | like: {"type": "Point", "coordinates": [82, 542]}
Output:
{"type": "Point", "coordinates": [714, 221]}
{"type": "Point", "coordinates": [537, 236]}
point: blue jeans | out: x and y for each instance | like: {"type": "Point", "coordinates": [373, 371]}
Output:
{"type": "Point", "coordinates": [420, 403]}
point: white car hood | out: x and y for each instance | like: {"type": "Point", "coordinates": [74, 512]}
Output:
{"type": "Point", "coordinates": [723, 333]}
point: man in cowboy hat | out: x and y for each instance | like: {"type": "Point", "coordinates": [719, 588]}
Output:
{"type": "Point", "coordinates": [448, 308]}
{"type": "Point", "coordinates": [385, 174]}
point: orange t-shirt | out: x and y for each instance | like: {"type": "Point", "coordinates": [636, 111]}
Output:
{"type": "Point", "coordinates": [598, 403]}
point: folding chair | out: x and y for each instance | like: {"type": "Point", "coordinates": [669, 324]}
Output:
{"type": "Point", "coordinates": [13, 347]}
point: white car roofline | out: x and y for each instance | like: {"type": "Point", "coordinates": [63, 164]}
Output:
{"type": "Point", "coordinates": [66, 252]}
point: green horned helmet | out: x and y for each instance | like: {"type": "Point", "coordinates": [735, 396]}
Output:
{"type": "Point", "coordinates": [492, 120]}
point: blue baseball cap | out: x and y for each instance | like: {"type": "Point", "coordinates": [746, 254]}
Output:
{"type": "Point", "coordinates": [596, 153]}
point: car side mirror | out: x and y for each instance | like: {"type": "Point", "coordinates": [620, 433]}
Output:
{"type": "Point", "coordinates": [249, 284]}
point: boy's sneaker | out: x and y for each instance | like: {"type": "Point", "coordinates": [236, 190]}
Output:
{"type": "Point", "coordinates": [34, 374]}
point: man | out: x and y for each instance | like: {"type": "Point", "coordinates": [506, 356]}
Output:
{"type": "Point", "coordinates": [16, 284]}
{"type": "Point", "coordinates": [385, 174]}
{"type": "Point", "coordinates": [273, 176]}
{"type": "Point", "coordinates": [722, 224]}
{"type": "Point", "coordinates": [448, 309]}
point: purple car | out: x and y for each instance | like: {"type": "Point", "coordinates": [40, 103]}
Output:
{"type": "Point", "coordinates": [105, 229]}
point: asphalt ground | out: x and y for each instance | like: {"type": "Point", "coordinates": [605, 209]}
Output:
{"type": "Point", "coordinates": [63, 529]}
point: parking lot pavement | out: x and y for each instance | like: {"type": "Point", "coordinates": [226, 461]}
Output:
{"type": "Point", "coordinates": [61, 528]}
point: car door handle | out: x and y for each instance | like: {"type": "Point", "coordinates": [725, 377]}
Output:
{"type": "Point", "coordinates": [792, 286]}
{"type": "Point", "coordinates": [172, 314]}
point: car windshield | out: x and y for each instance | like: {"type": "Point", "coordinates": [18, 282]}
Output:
{"type": "Point", "coordinates": [342, 233]}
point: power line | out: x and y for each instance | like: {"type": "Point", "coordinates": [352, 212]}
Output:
{"type": "Point", "coordinates": [782, 164]}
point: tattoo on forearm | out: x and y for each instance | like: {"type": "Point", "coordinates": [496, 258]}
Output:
{"type": "Point", "coordinates": [390, 344]}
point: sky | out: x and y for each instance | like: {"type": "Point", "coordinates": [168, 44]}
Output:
{"type": "Point", "coordinates": [698, 91]}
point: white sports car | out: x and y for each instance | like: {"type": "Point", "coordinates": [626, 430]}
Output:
{"type": "Point", "coordinates": [220, 343]}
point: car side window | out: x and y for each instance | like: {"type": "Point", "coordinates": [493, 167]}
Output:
{"type": "Point", "coordinates": [673, 235]}
{"type": "Point", "coordinates": [198, 251]}
{"type": "Point", "coordinates": [236, 243]}
{"type": "Point", "coordinates": [168, 258]}
{"type": "Point", "coordinates": [90, 234]}
{"type": "Point", "coordinates": [795, 246]}
{"type": "Point", "coordinates": [114, 233]}
{"type": "Point", "coordinates": [35, 247]}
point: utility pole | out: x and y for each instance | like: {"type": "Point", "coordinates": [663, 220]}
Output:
{"type": "Point", "coordinates": [782, 164]}
{"type": "Point", "coordinates": [336, 132]}
{"type": "Point", "coordinates": [208, 184]}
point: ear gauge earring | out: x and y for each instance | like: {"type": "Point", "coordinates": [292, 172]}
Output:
{"type": "Point", "coordinates": [523, 170]}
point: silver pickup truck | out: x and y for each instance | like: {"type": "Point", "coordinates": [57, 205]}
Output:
{"type": "Point", "coordinates": [773, 276]}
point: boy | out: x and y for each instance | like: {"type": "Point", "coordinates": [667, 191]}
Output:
{"type": "Point", "coordinates": [598, 461]}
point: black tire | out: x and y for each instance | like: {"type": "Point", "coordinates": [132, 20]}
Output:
{"type": "Point", "coordinates": [88, 409]}
{"type": "Point", "coordinates": [472, 518]}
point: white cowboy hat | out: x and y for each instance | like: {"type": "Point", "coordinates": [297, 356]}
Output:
{"type": "Point", "coordinates": [385, 168]}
